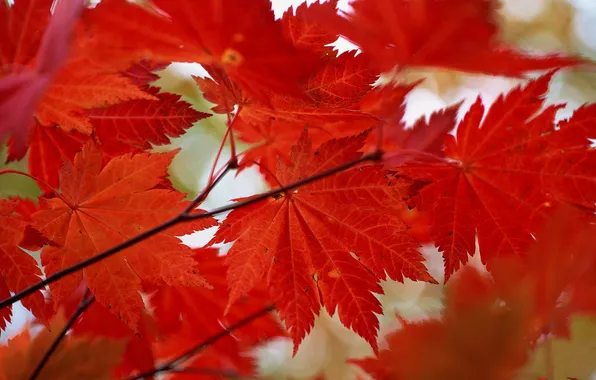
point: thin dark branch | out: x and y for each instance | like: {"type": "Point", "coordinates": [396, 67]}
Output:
{"type": "Point", "coordinates": [90, 261]}
{"type": "Point", "coordinates": [210, 186]}
{"type": "Point", "coordinates": [375, 156]}
{"type": "Point", "coordinates": [83, 305]}
{"type": "Point", "coordinates": [169, 366]}
{"type": "Point", "coordinates": [207, 371]}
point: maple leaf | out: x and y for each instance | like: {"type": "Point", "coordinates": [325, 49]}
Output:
{"type": "Point", "coordinates": [332, 94]}
{"type": "Point", "coordinates": [505, 169]}
{"type": "Point", "coordinates": [18, 269]}
{"type": "Point", "coordinates": [302, 241]}
{"type": "Point", "coordinates": [98, 321]}
{"type": "Point", "coordinates": [220, 90]}
{"type": "Point", "coordinates": [149, 35]}
{"type": "Point", "coordinates": [99, 208]}
{"type": "Point", "coordinates": [306, 34]}
{"type": "Point", "coordinates": [242, 38]}
{"type": "Point", "coordinates": [558, 271]}
{"type": "Point", "coordinates": [452, 34]}
{"type": "Point", "coordinates": [80, 86]}
{"type": "Point", "coordinates": [24, 45]}
{"type": "Point", "coordinates": [54, 94]}
{"type": "Point", "coordinates": [186, 316]}
{"type": "Point", "coordinates": [74, 358]}
{"type": "Point", "coordinates": [137, 124]}
{"type": "Point", "coordinates": [474, 339]}
{"type": "Point", "coordinates": [143, 73]}
{"type": "Point", "coordinates": [49, 147]}
{"type": "Point", "coordinates": [118, 128]}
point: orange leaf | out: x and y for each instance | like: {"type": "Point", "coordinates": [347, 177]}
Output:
{"type": "Point", "coordinates": [327, 243]}
{"type": "Point", "coordinates": [452, 34]}
{"type": "Point", "coordinates": [187, 316]}
{"type": "Point", "coordinates": [475, 339]}
{"type": "Point", "coordinates": [75, 358]}
{"type": "Point", "coordinates": [18, 270]}
{"type": "Point", "coordinates": [506, 169]}
{"type": "Point", "coordinates": [100, 208]}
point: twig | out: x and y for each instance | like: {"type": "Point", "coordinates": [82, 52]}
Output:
{"type": "Point", "coordinates": [375, 156]}
{"type": "Point", "coordinates": [207, 371]}
{"type": "Point", "coordinates": [83, 305]}
{"type": "Point", "coordinates": [184, 216]}
{"type": "Point", "coordinates": [169, 366]}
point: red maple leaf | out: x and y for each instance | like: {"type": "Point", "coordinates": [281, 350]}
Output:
{"type": "Point", "coordinates": [325, 244]}
{"type": "Point", "coordinates": [99, 321]}
{"type": "Point", "coordinates": [30, 58]}
{"type": "Point", "coordinates": [99, 208]}
{"type": "Point", "coordinates": [242, 38]}
{"type": "Point", "coordinates": [452, 34]}
{"type": "Point", "coordinates": [187, 316]}
{"type": "Point", "coordinates": [60, 86]}
{"type": "Point", "coordinates": [476, 338]}
{"type": "Point", "coordinates": [490, 325]}
{"type": "Point", "coordinates": [18, 270]}
{"type": "Point", "coordinates": [136, 124]}
{"type": "Point", "coordinates": [558, 272]}
{"type": "Point", "coordinates": [329, 109]}
{"type": "Point", "coordinates": [306, 34]}
{"type": "Point", "coordinates": [505, 169]}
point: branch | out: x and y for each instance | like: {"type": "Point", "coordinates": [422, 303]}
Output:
{"type": "Point", "coordinates": [375, 156]}
{"type": "Point", "coordinates": [170, 366]}
{"type": "Point", "coordinates": [183, 216]}
{"type": "Point", "coordinates": [83, 305]}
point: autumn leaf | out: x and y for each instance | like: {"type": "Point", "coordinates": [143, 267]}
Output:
{"type": "Point", "coordinates": [58, 94]}
{"type": "Point", "coordinates": [451, 34]}
{"type": "Point", "coordinates": [75, 358]}
{"type": "Point", "coordinates": [137, 124]}
{"type": "Point", "coordinates": [80, 86]}
{"type": "Point", "coordinates": [330, 110]}
{"type": "Point", "coordinates": [325, 244]}
{"type": "Point", "coordinates": [30, 58]}
{"type": "Point", "coordinates": [474, 339]}
{"type": "Point", "coordinates": [557, 272]}
{"type": "Point", "coordinates": [306, 34]}
{"type": "Point", "coordinates": [49, 148]}
{"type": "Point", "coordinates": [100, 208]}
{"type": "Point", "coordinates": [18, 270]}
{"type": "Point", "coordinates": [242, 38]}
{"type": "Point", "coordinates": [97, 321]}
{"type": "Point", "coordinates": [187, 316]}
{"type": "Point", "coordinates": [504, 170]}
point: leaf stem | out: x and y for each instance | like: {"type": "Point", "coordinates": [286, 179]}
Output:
{"type": "Point", "coordinates": [169, 366]}
{"type": "Point", "coordinates": [183, 216]}
{"type": "Point", "coordinates": [83, 305]}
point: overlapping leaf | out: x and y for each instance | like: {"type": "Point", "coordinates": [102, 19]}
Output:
{"type": "Point", "coordinates": [75, 358]}
{"type": "Point", "coordinates": [18, 269]}
{"type": "Point", "coordinates": [98, 321]}
{"type": "Point", "coordinates": [506, 169]}
{"type": "Point", "coordinates": [100, 208]}
{"type": "Point", "coordinates": [136, 124]}
{"type": "Point", "coordinates": [34, 46]}
{"type": "Point", "coordinates": [183, 321]}
{"type": "Point", "coordinates": [474, 339]}
{"type": "Point", "coordinates": [61, 86]}
{"type": "Point", "coordinates": [325, 244]}
{"type": "Point", "coordinates": [490, 325]}
{"type": "Point", "coordinates": [453, 34]}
